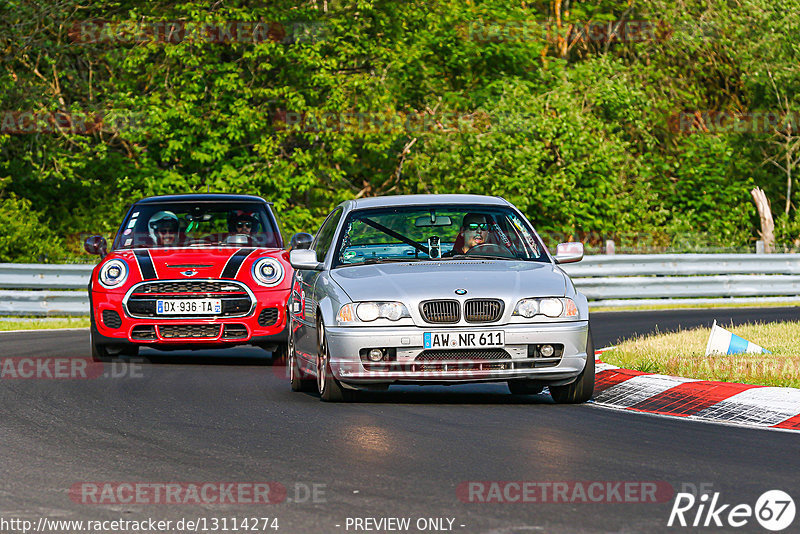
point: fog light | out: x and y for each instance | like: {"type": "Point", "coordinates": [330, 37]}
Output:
{"type": "Point", "coordinates": [375, 355]}
{"type": "Point", "coordinates": [547, 350]}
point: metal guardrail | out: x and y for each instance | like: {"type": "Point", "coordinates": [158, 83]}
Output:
{"type": "Point", "coordinates": [44, 283]}
{"type": "Point", "coordinates": [630, 279]}
{"type": "Point", "coordinates": [607, 280]}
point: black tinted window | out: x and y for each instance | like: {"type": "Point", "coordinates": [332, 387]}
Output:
{"type": "Point", "coordinates": [322, 243]}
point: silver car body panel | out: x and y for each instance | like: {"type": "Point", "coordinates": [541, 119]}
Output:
{"type": "Point", "coordinates": [317, 296]}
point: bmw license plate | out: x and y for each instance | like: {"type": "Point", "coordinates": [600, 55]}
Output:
{"type": "Point", "coordinates": [464, 340]}
{"type": "Point", "coordinates": [189, 307]}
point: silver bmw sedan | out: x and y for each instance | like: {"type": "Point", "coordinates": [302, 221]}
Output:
{"type": "Point", "coordinates": [435, 289]}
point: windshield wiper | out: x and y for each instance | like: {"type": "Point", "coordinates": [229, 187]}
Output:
{"type": "Point", "coordinates": [479, 257]}
{"type": "Point", "coordinates": [372, 261]}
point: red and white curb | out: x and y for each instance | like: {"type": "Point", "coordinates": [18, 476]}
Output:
{"type": "Point", "coordinates": [721, 402]}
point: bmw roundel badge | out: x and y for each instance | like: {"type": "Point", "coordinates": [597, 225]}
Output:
{"type": "Point", "coordinates": [461, 291]}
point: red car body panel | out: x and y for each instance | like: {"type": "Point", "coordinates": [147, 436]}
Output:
{"type": "Point", "coordinates": [137, 312]}
{"type": "Point", "coordinates": [208, 263]}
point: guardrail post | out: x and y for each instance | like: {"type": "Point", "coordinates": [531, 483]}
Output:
{"type": "Point", "coordinates": [760, 249]}
{"type": "Point", "coordinates": [610, 247]}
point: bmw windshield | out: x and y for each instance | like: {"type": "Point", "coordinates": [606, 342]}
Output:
{"type": "Point", "coordinates": [197, 224]}
{"type": "Point", "coordinates": [437, 232]}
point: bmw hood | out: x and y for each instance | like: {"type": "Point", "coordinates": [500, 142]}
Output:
{"type": "Point", "coordinates": [411, 282]}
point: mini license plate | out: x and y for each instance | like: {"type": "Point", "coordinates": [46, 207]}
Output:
{"type": "Point", "coordinates": [464, 340]}
{"type": "Point", "coordinates": [189, 307]}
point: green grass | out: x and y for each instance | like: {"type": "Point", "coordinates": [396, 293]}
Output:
{"type": "Point", "coordinates": [42, 323]}
{"type": "Point", "coordinates": [682, 353]}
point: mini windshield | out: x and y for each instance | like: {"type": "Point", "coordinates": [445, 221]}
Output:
{"type": "Point", "coordinates": [437, 232]}
{"type": "Point", "coordinates": [197, 224]}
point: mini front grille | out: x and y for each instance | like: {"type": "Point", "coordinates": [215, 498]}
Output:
{"type": "Point", "coordinates": [111, 319]}
{"type": "Point", "coordinates": [146, 307]}
{"type": "Point", "coordinates": [268, 317]}
{"type": "Point", "coordinates": [235, 299]}
{"type": "Point", "coordinates": [188, 330]}
{"type": "Point", "coordinates": [459, 355]}
{"type": "Point", "coordinates": [440, 311]}
{"type": "Point", "coordinates": [143, 332]}
{"type": "Point", "coordinates": [234, 331]}
{"type": "Point", "coordinates": [189, 286]}
{"type": "Point", "coordinates": [483, 310]}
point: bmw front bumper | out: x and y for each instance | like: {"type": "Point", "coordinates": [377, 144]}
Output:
{"type": "Point", "coordinates": [410, 362]}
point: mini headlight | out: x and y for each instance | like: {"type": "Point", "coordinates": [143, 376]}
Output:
{"type": "Point", "coordinates": [368, 311]}
{"type": "Point", "coordinates": [528, 308]}
{"type": "Point", "coordinates": [267, 272]}
{"type": "Point", "coordinates": [551, 307]}
{"type": "Point", "coordinates": [113, 274]}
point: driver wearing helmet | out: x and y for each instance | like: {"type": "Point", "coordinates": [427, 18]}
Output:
{"type": "Point", "coordinates": [163, 228]}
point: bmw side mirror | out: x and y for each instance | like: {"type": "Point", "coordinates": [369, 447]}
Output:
{"type": "Point", "coordinates": [96, 244]}
{"type": "Point", "coordinates": [569, 252]}
{"type": "Point", "coordinates": [305, 260]}
{"type": "Point", "coordinates": [301, 241]}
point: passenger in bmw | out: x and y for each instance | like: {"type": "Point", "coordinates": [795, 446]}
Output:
{"type": "Point", "coordinates": [474, 231]}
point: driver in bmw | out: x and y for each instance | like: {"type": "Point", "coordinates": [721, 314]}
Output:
{"type": "Point", "coordinates": [474, 231]}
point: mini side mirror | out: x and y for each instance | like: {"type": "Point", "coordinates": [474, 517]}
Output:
{"type": "Point", "coordinates": [569, 252]}
{"type": "Point", "coordinates": [96, 245]}
{"type": "Point", "coordinates": [305, 259]}
{"type": "Point", "coordinates": [301, 241]}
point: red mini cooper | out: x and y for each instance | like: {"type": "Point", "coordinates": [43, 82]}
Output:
{"type": "Point", "coordinates": [191, 271]}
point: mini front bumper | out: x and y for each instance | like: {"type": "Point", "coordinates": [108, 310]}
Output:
{"type": "Point", "coordinates": [346, 344]}
{"type": "Point", "coordinates": [227, 331]}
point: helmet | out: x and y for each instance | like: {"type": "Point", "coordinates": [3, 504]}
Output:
{"type": "Point", "coordinates": [161, 218]}
{"type": "Point", "coordinates": [240, 215]}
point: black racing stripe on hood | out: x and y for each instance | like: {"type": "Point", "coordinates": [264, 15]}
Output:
{"type": "Point", "coordinates": [146, 266]}
{"type": "Point", "coordinates": [235, 262]}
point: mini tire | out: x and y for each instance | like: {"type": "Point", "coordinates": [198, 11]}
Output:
{"type": "Point", "coordinates": [582, 388]}
{"type": "Point", "coordinates": [99, 352]}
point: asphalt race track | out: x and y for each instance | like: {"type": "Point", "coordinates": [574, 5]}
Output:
{"type": "Point", "coordinates": [224, 416]}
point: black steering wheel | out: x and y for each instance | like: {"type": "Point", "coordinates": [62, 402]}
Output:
{"type": "Point", "coordinates": [490, 249]}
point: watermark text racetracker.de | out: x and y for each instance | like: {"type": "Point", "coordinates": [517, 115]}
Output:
{"type": "Point", "coordinates": [173, 493]}
{"type": "Point", "coordinates": [196, 493]}
{"type": "Point", "coordinates": [147, 525]}
{"type": "Point", "coordinates": [185, 31]}
{"type": "Point", "coordinates": [567, 491]}
{"type": "Point", "coordinates": [65, 368]}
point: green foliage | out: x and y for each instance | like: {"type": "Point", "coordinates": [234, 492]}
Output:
{"type": "Point", "coordinates": [576, 132]}
{"type": "Point", "coordinates": [24, 237]}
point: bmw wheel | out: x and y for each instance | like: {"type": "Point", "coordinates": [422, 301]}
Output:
{"type": "Point", "coordinates": [297, 378]}
{"type": "Point", "coordinates": [330, 390]}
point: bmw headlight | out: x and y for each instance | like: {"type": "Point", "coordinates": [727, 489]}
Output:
{"type": "Point", "coordinates": [370, 311]}
{"type": "Point", "coordinates": [549, 307]}
{"type": "Point", "coordinates": [113, 274]}
{"type": "Point", "coordinates": [267, 272]}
